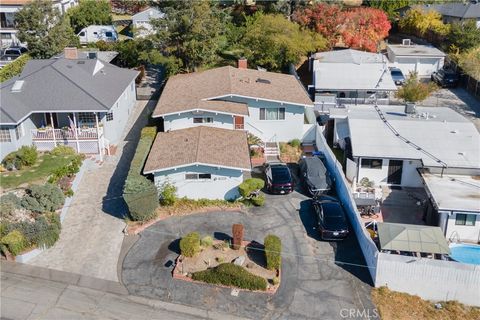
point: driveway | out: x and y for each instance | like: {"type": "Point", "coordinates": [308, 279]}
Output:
{"type": "Point", "coordinates": [91, 237]}
{"type": "Point", "coordinates": [313, 285]}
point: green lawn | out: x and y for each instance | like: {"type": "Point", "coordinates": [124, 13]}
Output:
{"type": "Point", "coordinates": [36, 173]}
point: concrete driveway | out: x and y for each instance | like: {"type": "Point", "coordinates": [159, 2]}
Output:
{"type": "Point", "coordinates": [91, 237]}
{"type": "Point", "coordinates": [313, 285]}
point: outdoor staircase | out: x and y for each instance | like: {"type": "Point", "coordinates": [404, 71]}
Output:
{"type": "Point", "coordinates": [272, 152]}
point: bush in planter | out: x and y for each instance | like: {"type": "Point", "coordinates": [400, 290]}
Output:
{"type": "Point", "coordinates": [62, 150]}
{"type": "Point", "coordinates": [43, 198]}
{"type": "Point", "coordinates": [230, 274]}
{"type": "Point", "coordinates": [28, 155]}
{"type": "Point", "coordinates": [43, 232]}
{"type": "Point", "coordinates": [295, 143]}
{"type": "Point", "coordinates": [190, 244]}
{"type": "Point", "coordinates": [15, 242]}
{"type": "Point", "coordinates": [273, 248]}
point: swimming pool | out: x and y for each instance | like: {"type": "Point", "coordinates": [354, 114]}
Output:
{"type": "Point", "coordinates": [465, 253]}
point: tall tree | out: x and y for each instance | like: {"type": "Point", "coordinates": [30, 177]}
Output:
{"type": "Point", "coordinates": [273, 42]}
{"type": "Point", "coordinates": [463, 36]}
{"type": "Point", "coordinates": [45, 31]}
{"type": "Point", "coordinates": [469, 61]}
{"type": "Point", "coordinates": [390, 7]}
{"type": "Point", "coordinates": [90, 12]}
{"type": "Point", "coordinates": [419, 22]}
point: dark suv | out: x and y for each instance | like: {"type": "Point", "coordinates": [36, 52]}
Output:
{"type": "Point", "coordinates": [332, 221]}
{"type": "Point", "coordinates": [279, 178]}
{"type": "Point", "coordinates": [445, 78]}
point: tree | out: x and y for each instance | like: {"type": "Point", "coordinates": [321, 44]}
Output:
{"type": "Point", "coordinates": [469, 61]}
{"type": "Point", "coordinates": [191, 32]}
{"type": "Point", "coordinates": [358, 28]}
{"type": "Point", "coordinates": [419, 22]}
{"type": "Point", "coordinates": [413, 90]}
{"type": "Point", "coordinates": [463, 36]}
{"type": "Point", "coordinates": [44, 29]}
{"type": "Point", "coordinates": [273, 42]}
{"type": "Point", "coordinates": [390, 7]}
{"type": "Point", "coordinates": [90, 12]}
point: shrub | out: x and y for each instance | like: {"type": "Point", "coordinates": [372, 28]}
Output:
{"type": "Point", "coordinates": [231, 275]}
{"type": "Point", "coordinates": [168, 194]}
{"type": "Point", "coordinates": [273, 248]}
{"type": "Point", "coordinates": [28, 155]}
{"type": "Point", "coordinates": [413, 90]}
{"type": "Point", "coordinates": [8, 203]}
{"type": "Point", "coordinates": [258, 201]}
{"type": "Point", "coordinates": [295, 143]}
{"type": "Point", "coordinates": [190, 244]}
{"type": "Point", "coordinates": [43, 198]}
{"type": "Point", "coordinates": [62, 150]}
{"type": "Point", "coordinates": [15, 242]}
{"type": "Point", "coordinates": [275, 281]}
{"type": "Point", "coordinates": [68, 170]}
{"type": "Point", "coordinates": [9, 162]}
{"type": "Point", "coordinates": [13, 68]}
{"type": "Point", "coordinates": [206, 242]}
{"type": "Point", "coordinates": [250, 187]}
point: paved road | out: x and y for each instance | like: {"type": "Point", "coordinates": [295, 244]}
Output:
{"type": "Point", "coordinates": [91, 237]}
{"type": "Point", "coordinates": [313, 286]}
{"type": "Point", "coordinates": [69, 297]}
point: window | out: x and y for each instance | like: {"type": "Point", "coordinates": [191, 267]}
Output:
{"type": "Point", "coordinates": [5, 36]}
{"type": "Point", "coordinates": [108, 34]}
{"type": "Point", "coordinates": [86, 117]}
{"type": "Point", "coordinates": [19, 132]}
{"type": "Point", "coordinates": [203, 120]}
{"type": "Point", "coordinates": [82, 34]}
{"type": "Point", "coordinates": [5, 135]}
{"type": "Point", "coordinates": [197, 176]}
{"type": "Point", "coordinates": [463, 219]}
{"type": "Point", "coordinates": [109, 116]}
{"type": "Point", "coordinates": [372, 163]}
{"type": "Point", "coordinates": [272, 113]}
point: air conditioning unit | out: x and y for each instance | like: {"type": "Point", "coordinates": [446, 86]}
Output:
{"type": "Point", "coordinates": [406, 42]}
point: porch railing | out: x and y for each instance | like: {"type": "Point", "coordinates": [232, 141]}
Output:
{"type": "Point", "coordinates": [67, 133]}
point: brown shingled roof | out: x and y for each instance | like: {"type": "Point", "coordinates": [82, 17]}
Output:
{"type": "Point", "coordinates": [206, 145]}
{"type": "Point", "coordinates": [186, 91]}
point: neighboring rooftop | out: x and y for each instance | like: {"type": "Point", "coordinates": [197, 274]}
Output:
{"type": "Point", "coordinates": [63, 85]}
{"type": "Point", "coordinates": [454, 192]}
{"type": "Point", "coordinates": [463, 10]}
{"type": "Point", "coordinates": [147, 14]}
{"type": "Point", "coordinates": [185, 92]}
{"type": "Point", "coordinates": [349, 56]}
{"type": "Point", "coordinates": [106, 56]}
{"type": "Point", "coordinates": [441, 132]}
{"type": "Point", "coordinates": [415, 50]}
{"type": "Point", "coordinates": [199, 145]}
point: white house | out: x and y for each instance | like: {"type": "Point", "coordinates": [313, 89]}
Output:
{"type": "Point", "coordinates": [269, 105]}
{"type": "Point", "coordinates": [350, 76]}
{"type": "Point", "coordinates": [202, 162]}
{"type": "Point", "coordinates": [82, 103]}
{"type": "Point", "coordinates": [8, 8]}
{"type": "Point", "coordinates": [141, 21]}
{"type": "Point", "coordinates": [410, 57]}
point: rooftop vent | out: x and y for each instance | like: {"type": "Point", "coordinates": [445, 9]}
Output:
{"type": "Point", "coordinates": [260, 80]}
{"type": "Point", "coordinates": [17, 86]}
{"type": "Point", "coordinates": [80, 62]}
{"type": "Point", "coordinates": [406, 42]}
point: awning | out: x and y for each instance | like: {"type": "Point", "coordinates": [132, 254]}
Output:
{"type": "Point", "coordinates": [412, 238]}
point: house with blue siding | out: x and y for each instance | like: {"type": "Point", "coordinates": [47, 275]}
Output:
{"type": "Point", "coordinates": [79, 102]}
{"type": "Point", "coordinates": [268, 105]}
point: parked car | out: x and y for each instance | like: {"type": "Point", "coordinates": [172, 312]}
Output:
{"type": "Point", "coordinates": [445, 78]}
{"type": "Point", "coordinates": [12, 53]}
{"type": "Point", "coordinates": [315, 176]}
{"type": "Point", "coordinates": [96, 33]}
{"type": "Point", "coordinates": [397, 76]}
{"type": "Point", "coordinates": [279, 178]}
{"type": "Point", "coordinates": [332, 220]}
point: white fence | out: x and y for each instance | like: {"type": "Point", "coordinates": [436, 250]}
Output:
{"type": "Point", "coordinates": [430, 279]}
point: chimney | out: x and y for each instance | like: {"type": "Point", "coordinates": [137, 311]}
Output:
{"type": "Point", "coordinates": [242, 63]}
{"type": "Point", "coordinates": [70, 53]}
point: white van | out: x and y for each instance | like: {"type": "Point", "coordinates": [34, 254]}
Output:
{"type": "Point", "coordinates": [96, 33]}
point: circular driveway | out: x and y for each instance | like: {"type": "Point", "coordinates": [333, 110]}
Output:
{"type": "Point", "coordinates": [312, 284]}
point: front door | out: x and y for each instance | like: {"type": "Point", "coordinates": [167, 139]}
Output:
{"type": "Point", "coordinates": [238, 122]}
{"type": "Point", "coordinates": [395, 172]}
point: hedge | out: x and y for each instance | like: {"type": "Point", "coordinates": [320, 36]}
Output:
{"type": "Point", "coordinates": [230, 274]}
{"type": "Point", "coordinates": [190, 244]}
{"type": "Point", "coordinates": [273, 248]}
{"type": "Point", "coordinates": [139, 193]}
{"type": "Point", "coordinates": [14, 68]}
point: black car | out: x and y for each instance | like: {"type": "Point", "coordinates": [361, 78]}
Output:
{"type": "Point", "coordinates": [13, 53]}
{"type": "Point", "coordinates": [315, 176]}
{"type": "Point", "coordinates": [279, 178]}
{"type": "Point", "coordinates": [445, 78]}
{"type": "Point", "coordinates": [332, 220]}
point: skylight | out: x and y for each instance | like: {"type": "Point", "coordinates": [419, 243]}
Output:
{"type": "Point", "coordinates": [17, 86]}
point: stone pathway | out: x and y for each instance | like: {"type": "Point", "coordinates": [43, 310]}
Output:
{"type": "Point", "coordinates": [92, 232]}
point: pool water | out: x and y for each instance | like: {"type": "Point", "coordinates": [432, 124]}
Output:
{"type": "Point", "coordinates": [465, 253]}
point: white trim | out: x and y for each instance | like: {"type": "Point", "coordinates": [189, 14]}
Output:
{"type": "Point", "coordinates": [196, 164]}
{"type": "Point", "coordinates": [199, 109]}
{"type": "Point", "coordinates": [50, 111]}
{"type": "Point", "coordinates": [255, 98]}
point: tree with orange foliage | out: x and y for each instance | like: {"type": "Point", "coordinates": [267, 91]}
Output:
{"type": "Point", "coordinates": [358, 28]}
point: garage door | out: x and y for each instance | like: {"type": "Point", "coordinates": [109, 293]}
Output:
{"type": "Point", "coordinates": [407, 65]}
{"type": "Point", "coordinates": [427, 66]}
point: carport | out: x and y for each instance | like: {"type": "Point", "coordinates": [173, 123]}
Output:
{"type": "Point", "coordinates": [399, 237]}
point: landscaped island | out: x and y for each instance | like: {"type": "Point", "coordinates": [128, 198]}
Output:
{"type": "Point", "coordinates": [240, 264]}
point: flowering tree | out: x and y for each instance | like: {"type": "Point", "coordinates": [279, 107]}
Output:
{"type": "Point", "coordinates": [358, 28]}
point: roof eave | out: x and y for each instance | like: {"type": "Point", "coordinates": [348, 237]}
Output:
{"type": "Point", "coordinates": [197, 164]}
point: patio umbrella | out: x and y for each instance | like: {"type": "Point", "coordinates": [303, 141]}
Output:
{"type": "Point", "coordinates": [412, 238]}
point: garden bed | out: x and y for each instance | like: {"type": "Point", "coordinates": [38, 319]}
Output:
{"type": "Point", "coordinates": [220, 253]}
{"type": "Point", "coordinates": [290, 152]}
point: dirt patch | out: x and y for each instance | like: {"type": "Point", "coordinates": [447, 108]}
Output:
{"type": "Point", "coordinates": [395, 305]}
{"type": "Point", "coordinates": [289, 153]}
